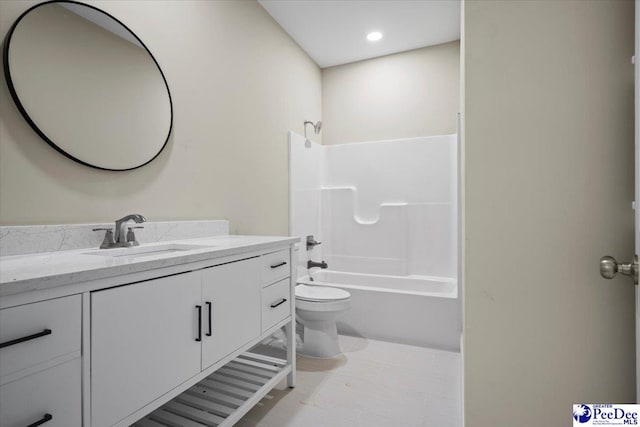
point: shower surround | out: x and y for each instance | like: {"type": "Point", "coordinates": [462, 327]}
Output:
{"type": "Point", "coordinates": [386, 214]}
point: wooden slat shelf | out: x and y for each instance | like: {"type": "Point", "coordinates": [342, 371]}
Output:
{"type": "Point", "coordinates": [222, 398]}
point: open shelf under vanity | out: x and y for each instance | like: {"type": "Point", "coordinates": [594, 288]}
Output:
{"type": "Point", "coordinates": [223, 397]}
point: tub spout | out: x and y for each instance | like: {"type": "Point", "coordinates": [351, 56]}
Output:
{"type": "Point", "coordinates": [312, 264]}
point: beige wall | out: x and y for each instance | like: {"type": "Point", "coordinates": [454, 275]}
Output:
{"type": "Point", "coordinates": [238, 83]}
{"type": "Point", "coordinates": [548, 142]}
{"type": "Point", "coordinates": [409, 94]}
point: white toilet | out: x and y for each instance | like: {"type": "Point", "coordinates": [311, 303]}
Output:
{"type": "Point", "coordinates": [318, 308]}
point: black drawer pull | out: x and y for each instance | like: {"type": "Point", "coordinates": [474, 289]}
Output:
{"type": "Point", "coordinates": [27, 338]}
{"type": "Point", "coordinates": [199, 307]}
{"type": "Point", "coordinates": [47, 417]}
{"type": "Point", "coordinates": [282, 301]}
{"type": "Point", "coordinates": [210, 311]}
{"type": "Point", "coordinates": [279, 265]}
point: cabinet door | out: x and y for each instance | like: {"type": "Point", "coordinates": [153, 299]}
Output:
{"type": "Point", "coordinates": [231, 296]}
{"type": "Point", "coordinates": [143, 343]}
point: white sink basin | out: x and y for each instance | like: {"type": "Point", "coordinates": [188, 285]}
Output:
{"type": "Point", "coordinates": [150, 250]}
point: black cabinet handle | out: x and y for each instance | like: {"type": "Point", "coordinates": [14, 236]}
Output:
{"type": "Point", "coordinates": [27, 338]}
{"type": "Point", "coordinates": [199, 307]}
{"type": "Point", "coordinates": [47, 417]}
{"type": "Point", "coordinates": [210, 310]}
{"type": "Point", "coordinates": [279, 265]}
{"type": "Point", "coordinates": [282, 301]}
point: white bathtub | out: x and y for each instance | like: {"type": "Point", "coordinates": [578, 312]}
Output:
{"type": "Point", "coordinates": [416, 310]}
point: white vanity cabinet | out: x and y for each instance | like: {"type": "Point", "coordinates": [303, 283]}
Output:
{"type": "Point", "coordinates": [143, 343]}
{"type": "Point", "coordinates": [147, 338]}
{"type": "Point", "coordinates": [158, 342]}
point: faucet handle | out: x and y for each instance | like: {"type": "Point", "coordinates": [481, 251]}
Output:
{"type": "Point", "coordinates": [311, 242]}
{"type": "Point", "coordinates": [131, 237]}
{"type": "Point", "coordinates": [108, 241]}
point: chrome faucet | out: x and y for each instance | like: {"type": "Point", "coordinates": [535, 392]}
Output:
{"type": "Point", "coordinates": [313, 264]}
{"type": "Point", "coordinates": [122, 239]}
{"type": "Point", "coordinates": [120, 236]}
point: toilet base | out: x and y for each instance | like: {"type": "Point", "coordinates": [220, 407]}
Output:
{"type": "Point", "coordinates": [320, 340]}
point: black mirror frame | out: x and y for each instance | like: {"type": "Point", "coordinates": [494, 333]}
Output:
{"type": "Point", "coordinates": [23, 111]}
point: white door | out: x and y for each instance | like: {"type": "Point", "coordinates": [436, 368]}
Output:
{"type": "Point", "coordinates": [637, 189]}
{"type": "Point", "coordinates": [608, 266]}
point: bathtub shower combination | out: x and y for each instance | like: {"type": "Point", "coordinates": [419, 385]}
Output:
{"type": "Point", "coordinates": [386, 214]}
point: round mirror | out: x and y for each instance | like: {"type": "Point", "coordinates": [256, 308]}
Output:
{"type": "Point", "coordinates": [88, 85]}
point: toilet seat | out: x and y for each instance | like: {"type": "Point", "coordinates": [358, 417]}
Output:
{"type": "Point", "coordinates": [320, 294]}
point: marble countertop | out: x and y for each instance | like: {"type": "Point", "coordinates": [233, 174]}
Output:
{"type": "Point", "coordinates": [23, 273]}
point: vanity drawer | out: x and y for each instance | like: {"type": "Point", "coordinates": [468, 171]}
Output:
{"type": "Point", "coordinates": [34, 333]}
{"type": "Point", "coordinates": [276, 303]}
{"type": "Point", "coordinates": [275, 266]}
{"type": "Point", "coordinates": [54, 391]}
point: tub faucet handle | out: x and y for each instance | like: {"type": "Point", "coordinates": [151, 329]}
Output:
{"type": "Point", "coordinates": [311, 242]}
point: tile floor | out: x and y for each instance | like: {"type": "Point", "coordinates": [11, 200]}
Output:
{"type": "Point", "coordinates": [372, 384]}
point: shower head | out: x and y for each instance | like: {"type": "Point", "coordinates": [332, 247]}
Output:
{"type": "Point", "coordinates": [316, 127]}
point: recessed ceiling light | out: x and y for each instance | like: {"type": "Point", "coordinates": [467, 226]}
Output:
{"type": "Point", "coordinates": [374, 36]}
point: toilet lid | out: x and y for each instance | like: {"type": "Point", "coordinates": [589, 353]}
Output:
{"type": "Point", "coordinates": [320, 293]}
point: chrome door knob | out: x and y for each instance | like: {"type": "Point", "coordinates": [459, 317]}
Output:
{"type": "Point", "coordinates": [609, 267]}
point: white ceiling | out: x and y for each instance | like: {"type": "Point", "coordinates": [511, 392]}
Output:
{"type": "Point", "coordinates": [334, 32]}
